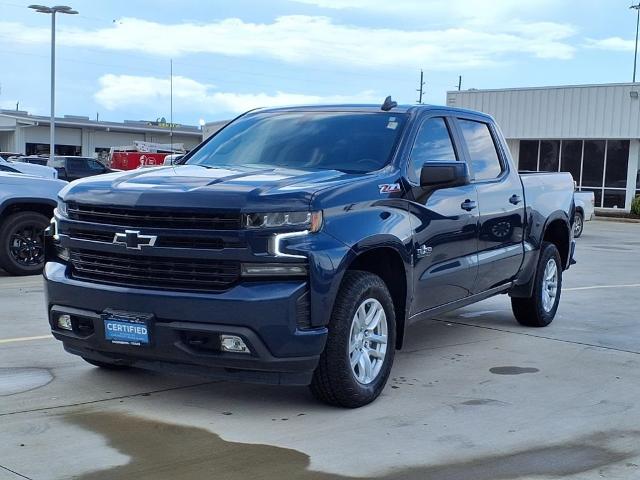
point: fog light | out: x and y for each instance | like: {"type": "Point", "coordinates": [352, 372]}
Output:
{"type": "Point", "coordinates": [273, 270]}
{"type": "Point", "coordinates": [233, 343]}
{"type": "Point", "coordinates": [64, 322]}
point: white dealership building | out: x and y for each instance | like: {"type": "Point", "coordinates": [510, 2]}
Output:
{"type": "Point", "coordinates": [592, 131]}
{"type": "Point", "coordinates": [21, 132]}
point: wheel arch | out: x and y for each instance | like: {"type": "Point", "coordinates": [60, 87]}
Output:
{"type": "Point", "coordinates": [391, 265]}
{"type": "Point", "coordinates": [558, 231]}
{"type": "Point", "coordinates": [38, 205]}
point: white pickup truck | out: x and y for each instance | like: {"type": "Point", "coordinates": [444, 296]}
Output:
{"type": "Point", "coordinates": [7, 165]}
{"type": "Point", "coordinates": [585, 206]}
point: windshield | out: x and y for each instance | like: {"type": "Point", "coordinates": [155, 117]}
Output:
{"type": "Point", "coordinates": [345, 141]}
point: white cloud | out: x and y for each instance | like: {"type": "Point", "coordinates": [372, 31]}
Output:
{"type": "Point", "coordinates": [303, 39]}
{"type": "Point", "coordinates": [117, 91]}
{"type": "Point", "coordinates": [612, 43]}
{"type": "Point", "coordinates": [474, 11]}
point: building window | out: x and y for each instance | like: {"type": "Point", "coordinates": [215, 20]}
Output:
{"type": "Point", "coordinates": [571, 158]}
{"type": "Point", "coordinates": [43, 149]}
{"type": "Point", "coordinates": [549, 155]}
{"type": "Point", "coordinates": [528, 157]}
{"type": "Point", "coordinates": [614, 198]}
{"type": "Point", "coordinates": [617, 160]}
{"type": "Point", "coordinates": [599, 166]}
{"type": "Point", "coordinates": [593, 163]}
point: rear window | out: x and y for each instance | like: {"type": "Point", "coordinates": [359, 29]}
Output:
{"type": "Point", "coordinates": [482, 150]}
{"type": "Point", "coordinates": [352, 142]}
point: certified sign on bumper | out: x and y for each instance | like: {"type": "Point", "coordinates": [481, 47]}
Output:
{"type": "Point", "coordinates": [126, 329]}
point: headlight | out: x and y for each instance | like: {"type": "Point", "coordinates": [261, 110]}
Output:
{"type": "Point", "coordinates": [62, 208]}
{"type": "Point", "coordinates": [311, 221]}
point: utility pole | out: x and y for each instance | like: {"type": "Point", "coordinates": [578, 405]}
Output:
{"type": "Point", "coordinates": [459, 82]}
{"type": "Point", "coordinates": [420, 89]}
{"type": "Point", "coordinates": [635, 55]}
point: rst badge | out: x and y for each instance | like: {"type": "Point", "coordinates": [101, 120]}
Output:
{"type": "Point", "coordinates": [389, 188]}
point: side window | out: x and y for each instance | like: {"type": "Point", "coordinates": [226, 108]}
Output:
{"type": "Point", "coordinates": [97, 166]}
{"type": "Point", "coordinates": [76, 165]}
{"type": "Point", "coordinates": [433, 144]}
{"type": "Point", "coordinates": [484, 157]}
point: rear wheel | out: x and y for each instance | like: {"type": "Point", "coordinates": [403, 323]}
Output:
{"type": "Point", "coordinates": [540, 309]}
{"type": "Point", "coordinates": [578, 225]}
{"type": "Point", "coordinates": [22, 243]}
{"type": "Point", "coordinates": [357, 359]}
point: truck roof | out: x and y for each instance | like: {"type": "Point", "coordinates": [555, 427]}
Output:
{"type": "Point", "coordinates": [369, 108]}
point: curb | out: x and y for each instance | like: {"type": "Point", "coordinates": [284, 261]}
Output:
{"type": "Point", "coordinates": [616, 219]}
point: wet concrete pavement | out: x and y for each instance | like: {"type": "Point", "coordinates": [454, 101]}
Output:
{"type": "Point", "coordinates": [473, 396]}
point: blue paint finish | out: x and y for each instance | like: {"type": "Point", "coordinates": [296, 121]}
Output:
{"type": "Point", "coordinates": [448, 253]}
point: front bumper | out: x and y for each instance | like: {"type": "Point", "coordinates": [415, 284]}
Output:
{"type": "Point", "coordinates": [264, 314]}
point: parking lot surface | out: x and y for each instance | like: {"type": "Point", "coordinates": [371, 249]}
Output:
{"type": "Point", "coordinates": [472, 396]}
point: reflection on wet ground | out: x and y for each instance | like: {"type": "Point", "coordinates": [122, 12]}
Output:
{"type": "Point", "coordinates": [159, 450]}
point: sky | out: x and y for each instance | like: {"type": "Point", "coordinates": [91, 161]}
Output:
{"type": "Point", "coordinates": [114, 57]}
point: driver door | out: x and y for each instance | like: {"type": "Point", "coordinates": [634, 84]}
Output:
{"type": "Point", "coordinates": [444, 223]}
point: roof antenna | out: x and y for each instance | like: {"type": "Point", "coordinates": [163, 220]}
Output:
{"type": "Point", "coordinates": [388, 104]}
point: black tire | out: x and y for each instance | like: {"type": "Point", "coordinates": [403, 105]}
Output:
{"type": "Point", "coordinates": [334, 382]}
{"type": "Point", "coordinates": [20, 254]}
{"type": "Point", "coordinates": [578, 224]}
{"type": "Point", "coordinates": [106, 365]}
{"type": "Point", "coordinates": [530, 311]}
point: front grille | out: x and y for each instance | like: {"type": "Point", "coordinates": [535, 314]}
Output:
{"type": "Point", "coordinates": [142, 218]}
{"type": "Point", "coordinates": [167, 241]}
{"type": "Point", "coordinates": [153, 272]}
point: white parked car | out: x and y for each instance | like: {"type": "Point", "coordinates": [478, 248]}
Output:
{"type": "Point", "coordinates": [585, 206]}
{"type": "Point", "coordinates": [7, 165]}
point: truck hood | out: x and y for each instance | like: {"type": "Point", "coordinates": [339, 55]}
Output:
{"type": "Point", "coordinates": [194, 186]}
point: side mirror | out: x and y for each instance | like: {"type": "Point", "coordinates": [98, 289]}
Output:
{"type": "Point", "coordinates": [444, 174]}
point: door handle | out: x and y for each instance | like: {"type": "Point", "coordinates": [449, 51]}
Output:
{"type": "Point", "coordinates": [515, 199]}
{"type": "Point", "coordinates": [468, 205]}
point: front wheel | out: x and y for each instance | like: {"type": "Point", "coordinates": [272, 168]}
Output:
{"type": "Point", "coordinates": [357, 359]}
{"type": "Point", "coordinates": [540, 309]}
{"type": "Point", "coordinates": [22, 243]}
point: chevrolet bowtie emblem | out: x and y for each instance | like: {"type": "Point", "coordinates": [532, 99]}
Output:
{"type": "Point", "coordinates": [132, 239]}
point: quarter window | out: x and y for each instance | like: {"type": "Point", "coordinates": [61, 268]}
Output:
{"type": "Point", "coordinates": [433, 144]}
{"type": "Point", "coordinates": [482, 151]}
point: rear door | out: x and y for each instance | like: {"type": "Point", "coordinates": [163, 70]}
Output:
{"type": "Point", "coordinates": [500, 199]}
{"type": "Point", "coordinates": [444, 223]}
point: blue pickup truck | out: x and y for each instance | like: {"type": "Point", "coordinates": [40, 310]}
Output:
{"type": "Point", "coordinates": [297, 246]}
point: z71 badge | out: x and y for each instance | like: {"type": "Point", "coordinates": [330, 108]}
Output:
{"type": "Point", "coordinates": [389, 188]}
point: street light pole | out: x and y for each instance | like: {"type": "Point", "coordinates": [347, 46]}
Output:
{"type": "Point", "coordinates": [52, 11]}
{"type": "Point", "coordinates": [52, 124]}
{"type": "Point", "coordinates": [635, 55]}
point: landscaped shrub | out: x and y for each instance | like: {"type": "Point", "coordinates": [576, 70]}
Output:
{"type": "Point", "coordinates": [635, 205]}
